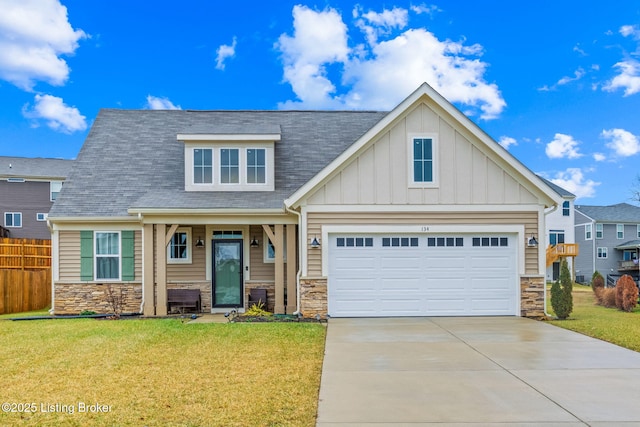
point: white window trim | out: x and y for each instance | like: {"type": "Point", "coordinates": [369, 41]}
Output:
{"type": "Point", "coordinates": [13, 216]}
{"type": "Point", "coordinates": [568, 208]}
{"type": "Point", "coordinates": [265, 249]}
{"type": "Point", "coordinates": [435, 157]}
{"type": "Point", "coordinates": [600, 229]}
{"type": "Point", "coordinates": [188, 259]}
{"type": "Point", "coordinates": [242, 185]}
{"type": "Point", "coordinates": [602, 250]}
{"type": "Point", "coordinates": [638, 231]}
{"type": "Point", "coordinates": [44, 216]}
{"type": "Point", "coordinates": [95, 256]}
{"type": "Point", "coordinates": [618, 227]}
{"type": "Point", "coordinates": [213, 166]}
{"type": "Point", "coordinates": [54, 185]}
{"type": "Point", "coordinates": [588, 232]}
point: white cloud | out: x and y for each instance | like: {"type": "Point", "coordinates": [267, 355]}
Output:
{"type": "Point", "coordinates": [56, 113]}
{"type": "Point", "coordinates": [562, 146]}
{"type": "Point", "coordinates": [573, 181]}
{"type": "Point", "coordinates": [34, 34]}
{"type": "Point", "coordinates": [630, 30]}
{"type": "Point", "coordinates": [224, 52]}
{"type": "Point", "coordinates": [380, 74]}
{"type": "Point", "coordinates": [577, 75]}
{"type": "Point", "coordinates": [507, 141]}
{"type": "Point", "coordinates": [158, 103]}
{"type": "Point", "coordinates": [628, 79]}
{"type": "Point", "coordinates": [622, 142]}
{"type": "Point", "coordinates": [375, 24]}
{"type": "Point", "coordinates": [599, 157]}
{"type": "Point", "coordinates": [423, 8]}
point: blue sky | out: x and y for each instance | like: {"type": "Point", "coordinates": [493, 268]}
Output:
{"type": "Point", "coordinates": [556, 82]}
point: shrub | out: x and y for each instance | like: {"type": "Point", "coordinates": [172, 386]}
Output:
{"type": "Point", "coordinates": [607, 297]}
{"type": "Point", "coordinates": [626, 295]}
{"type": "Point", "coordinates": [597, 281]}
{"type": "Point", "coordinates": [561, 297]}
{"type": "Point", "coordinates": [257, 310]}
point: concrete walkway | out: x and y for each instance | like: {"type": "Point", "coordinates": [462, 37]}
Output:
{"type": "Point", "coordinates": [474, 371]}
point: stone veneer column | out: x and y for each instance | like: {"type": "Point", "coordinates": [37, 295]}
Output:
{"type": "Point", "coordinates": [313, 296]}
{"type": "Point", "coordinates": [532, 296]}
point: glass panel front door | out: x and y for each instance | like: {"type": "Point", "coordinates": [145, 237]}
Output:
{"type": "Point", "coordinates": [227, 276]}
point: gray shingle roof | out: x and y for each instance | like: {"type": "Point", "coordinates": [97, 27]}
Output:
{"type": "Point", "coordinates": [132, 159]}
{"type": "Point", "coordinates": [36, 167]}
{"type": "Point", "coordinates": [561, 191]}
{"type": "Point", "coordinates": [622, 212]}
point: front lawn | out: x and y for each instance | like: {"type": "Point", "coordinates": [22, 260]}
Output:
{"type": "Point", "coordinates": [158, 372]}
{"type": "Point", "coordinates": [608, 324]}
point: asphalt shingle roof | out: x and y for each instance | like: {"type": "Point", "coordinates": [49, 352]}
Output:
{"type": "Point", "coordinates": [622, 212]}
{"type": "Point", "coordinates": [132, 159]}
{"type": "Point", "coordinates": [561, 191]}
{"type": "Point", "coordinates": [36, 167]}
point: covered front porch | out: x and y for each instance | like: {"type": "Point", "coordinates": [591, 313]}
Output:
{"type": "Point", "coordinates": [224, 258]}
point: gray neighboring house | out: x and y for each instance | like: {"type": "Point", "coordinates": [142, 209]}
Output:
{"type": "Point", "coordinates": [609, 239]}
{"type": "Point", "coordinates": [28, 188]}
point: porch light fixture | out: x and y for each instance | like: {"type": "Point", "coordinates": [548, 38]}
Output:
{"type": "Point", "coordinates": [199, 243]}
{"type": "Point", "coordinates": [532, 243]}
{"type": "Point", "coordinates": [315, 243]}
{"type": "Point", "coordinates": [254, 242]}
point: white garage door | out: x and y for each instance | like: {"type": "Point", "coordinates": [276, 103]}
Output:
{"type": "Point", "coordinates": [422, 275]}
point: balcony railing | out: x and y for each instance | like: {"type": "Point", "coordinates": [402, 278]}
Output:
{"type": "Point", "coordinates": [628, 265]}
{"type": "Point", "coordinates": [561, 250]}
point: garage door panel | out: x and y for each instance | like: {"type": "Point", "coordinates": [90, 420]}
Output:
{"type": "Point", "coordinates": [423, 278]}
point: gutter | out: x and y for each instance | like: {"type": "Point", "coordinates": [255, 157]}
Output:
{"type": "Point", "coordinates": [300, 246]}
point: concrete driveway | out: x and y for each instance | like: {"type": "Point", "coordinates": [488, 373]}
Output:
{"type": "Point", "coordinates": [474, 371]}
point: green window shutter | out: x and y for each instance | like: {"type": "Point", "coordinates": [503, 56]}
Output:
{"type": "Point", "coordinates": [86, 255]}
{"type": "Point", "coordinates": [128, 264]}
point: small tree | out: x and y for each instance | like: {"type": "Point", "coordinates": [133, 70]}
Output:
{"type": "Point", "coordinates": [116, 301]}
{"type": "Point", "coordinates": [626, 293]}
{"type": "Point", "coordinates": [561, 297]}
{"type": "Point", "coordinates": [597, 281]}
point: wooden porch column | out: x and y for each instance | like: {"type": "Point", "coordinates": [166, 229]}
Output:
{"type": "Point", "coordinates": [148, 279]}
{"type": "Point", "coordinates": [291, 269]}
{"type": "Point", "coordinates": [161, 270]}
{"type": "Point", "coordinates": [277, 239]}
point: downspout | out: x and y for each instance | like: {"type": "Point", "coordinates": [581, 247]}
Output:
{"type": "Point", "coordinates": [141, 219]}
{"type": "Point", "coordinates": [53, 289]}
{"type": "Point", "coordinates": [300, 246]}
{"type": "Point", "coordinates": [551, 210]}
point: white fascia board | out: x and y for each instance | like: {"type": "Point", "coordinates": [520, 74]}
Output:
{"type": "Point", "coordinates": [422, 208]}
{"type": "Point", "coordinates": [92, 219]}
{"type": "Point", "coordinates": [425, 91]}
{"type": "Point", "coordinates": [228, 137]}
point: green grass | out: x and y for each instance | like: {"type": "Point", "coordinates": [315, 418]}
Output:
{"type": "Point", "coordinates": [42, 312]}
{"type": "Point", "coordinates": [608, 324]}
{"type": "Point", "coordinates": [158, 372]}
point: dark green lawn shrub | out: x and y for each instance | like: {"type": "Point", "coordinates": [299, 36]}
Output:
{"type": "Point", "coordinates": [561, 298]}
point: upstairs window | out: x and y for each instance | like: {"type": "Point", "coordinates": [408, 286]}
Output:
{"type": "Point", "coordinates": [202, 166]}
{"type": "Point", "coordinates": [599, 231]}
{"type": "Point", "coordinates": [620, 231]}
{"type": "Point", "coordinates": [256, 166]}
{"type": "Point", "coordinates": [566, 208]}
{"type": "Point", "coordinates": [55, 187]}
{"type": "Point", "coordinates": [422, 160]}
{"type": "Point", "coordinates": [229, 166]}
{"type": "Point", "coordinates": [13, 219]}
{"type": "Point", "coordinates": [588, 231]}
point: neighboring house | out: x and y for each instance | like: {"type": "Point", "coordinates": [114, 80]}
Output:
{"type": "Point", "coordinates": [609, 239]}
{"type": "Point", "coordinates": [560, 228]}
{"type": "Point", "coordinates": [413, 212]}
{"type": "Point", "coordinates": [28, 188]}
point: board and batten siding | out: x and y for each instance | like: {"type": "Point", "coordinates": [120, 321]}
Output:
{"type": "Point", "coordinates": [316, 220]}
{"type": "Point", "coordinates": [69, 256]}
{"type": "Point", "coordinates": [467, 174]}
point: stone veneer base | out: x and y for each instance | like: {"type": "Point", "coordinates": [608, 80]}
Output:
{"type": "Point", "coordinates": [74, 298]}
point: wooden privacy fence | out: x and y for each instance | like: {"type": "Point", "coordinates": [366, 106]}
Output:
{"type": "Point", "coordinates": [25, 254]}
{"type": "Point", "coordinates": [24, 290]}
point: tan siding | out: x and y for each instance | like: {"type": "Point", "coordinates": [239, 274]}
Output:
{"type": "Point", "coordinates": [69, 253]}
{"type": "Point", "coordinates": [258, 269]}
{"type": "Point", "coordinates": [316, 220]}
{"type": "Point", "coordinates": [197, 269]}
{"type": "Point", "coordinates": [137, 253]}
{"type": "Point", "coordinates": [468, 172]}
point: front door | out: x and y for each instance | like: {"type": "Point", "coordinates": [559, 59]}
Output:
{"type": "Point", "coordinates": [227, 273]}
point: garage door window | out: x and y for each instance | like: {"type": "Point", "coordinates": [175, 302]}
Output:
{"type": "Point", "coordinates": [354, 242]}
{"type": "Point", "coordinates": [445, 242]}
{"type": "Point", "coordinates": [403, 242]}
{"type": "Point", "coordinates": [490, 241]}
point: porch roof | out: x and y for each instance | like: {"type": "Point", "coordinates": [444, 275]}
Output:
{"type": "Point", "coordinates": [632, 244]}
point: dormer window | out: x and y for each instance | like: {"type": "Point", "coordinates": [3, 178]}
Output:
{"type": "Point", "coordinates": [230, 161]}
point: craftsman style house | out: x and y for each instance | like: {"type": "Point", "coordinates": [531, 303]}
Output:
{"type": "Point", "coordinates": [28, 188]}
{"type": "Point", "coordinates": [411, 212]}
{"type": "Point", "coordinates": [609, 239]}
